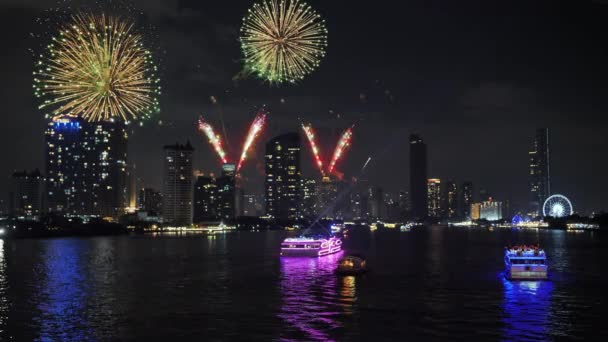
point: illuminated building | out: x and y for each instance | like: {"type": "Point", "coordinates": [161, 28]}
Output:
{"type": "Point", "coordinates": [283, 176]}
{"type": "Point", "coordinates": [451, 196]}
{"type": "Point", "coordinates": [309, 198]}
{"type": "Point", "coordinates": [418, 177]}
{"type": "Point", "coordinates": [540, 177]}
{"type": "Point", "coordinates": [491, 210]}
{"type": "Point", "coordinates": [177, 184]}
{"type": "Point", "coordinates": [205, 198]}
{"type": "Point", "coordinates": [327, 192]}
{"type": "Point", "coordinates": [466, 199]}
{"type": "Point", "coordinates": [475, 211]}
{"type": "Point", "coordinates": [150, 200]}
{"type": "Point", "coordinates": [404, 204]}
{"type": "Point", "coordinates": [253, 205]}
{"type": "Point", "coordinates": [25, 193]}
{"type": "Point", "coordinates": [226, 193]}
{"type": "Point", "coordinates": [86, 167]}
{"type": "Point", "coordinates": [487, 210]}
{"type": "Point", "coordinates": [434, 197]}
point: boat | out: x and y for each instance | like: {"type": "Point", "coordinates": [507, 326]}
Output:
{"type": "Point", "coordinates": [311, 244]}
{"type": "Point", "coordinates": [525, 263]}
{"type": "Point", "coordinates": [351, 265]}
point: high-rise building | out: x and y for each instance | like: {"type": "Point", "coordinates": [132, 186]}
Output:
{"type": "Point", "coordinates": [309, 198]}
{"type": "Point", "coordinates": [205, 199]}
{"type": "Point", "coordinates": [404, 204]}
{"type": "Point", "coordinates": [253, 205]}
{"type": "Point", "coordinates": [540, 167]}
{"type": "Point", "coordinates": [177, 184]}
{"type": "Point", "coordinates": [283, 176]}
{"type": "Point", "coordinates": [451, 196]}
{"type": "Point", "coordinates": [150, 200]}
{"type": "Point", "coordinates": [226, 196]}
{"type": "Point", "coordinates": [377, 207]}
{"type": "Point", "coordinates": [327, 192]}
{"type": "Point", "coordinates": [25, 196]}
{"type": "Point", "coordinates": [487, 210]}
{"type": "Point", "coordinates": [434, 197]}
{"type": "Point", "coordinates": [418, 177]}
{"type": "Point", "coordinates": [86, 167]}
{"type": "Point", "coordinates": [466, 199]}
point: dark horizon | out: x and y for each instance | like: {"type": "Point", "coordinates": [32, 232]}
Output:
{"type": "Point", "coordinates": [473, 79]}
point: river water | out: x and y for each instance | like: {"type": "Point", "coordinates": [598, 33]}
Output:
{"type": "Point", "coordinates": [428, 284]}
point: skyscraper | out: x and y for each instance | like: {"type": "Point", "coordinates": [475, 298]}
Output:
{"type": "Point", "coordinates": [377, 208]}
{"type": "Point", "coordinates": [205, 198]}
{"type": "Point", "coordinates": [309, 198]}
{"type": "Point", "coordinates": [451, 197]}
{"type": "Point", "coordinates": [86, 167]}
{"type": "Point", "coordinates": [177, 184]}
{"type": "Point", "coordinates": [25, 193]}
{"type": "Point", "coordinates": [283, 176]}
{"type": "Point", "coordinates": [327, 192]}
{"type": "Point", "coordinates": [226, 193]}
{"type": "Point", "coordinates": [540, 167]}
{"type": "Point", "coordinates": [418, 177]}
{"type": "Point", "coordinates": [150, 200]}
{"type": "Point", "coordinates": [466, 199]}
{"type": "Point", "coordinates": [434, 197]}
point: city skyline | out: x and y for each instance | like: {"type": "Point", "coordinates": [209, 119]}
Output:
{"type": "Point", "coordinates": [455, 112]}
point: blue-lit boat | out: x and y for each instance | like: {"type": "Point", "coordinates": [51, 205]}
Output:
{"type": "Point", "coordinates": [311, 244]}
{"type": "Point", "coordinates": [525, 263]}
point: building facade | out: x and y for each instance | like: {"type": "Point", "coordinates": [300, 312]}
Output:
{"type": "Point", "coordinates": [150, 200]}
{"type": "Point", "coordinates": [418, 177]}
{"type": "Point", "coordinates": [25, 195]}
{"type": "Point", "coordinates": [540, 167]}
{"type": "Point", "coordinates": [451, 199]}
{"type": "Point", "coordinates": [466, 199]}
{"type": "Point", "coordinates": [177, 184]}
{"type": "Point", "coordinates": [434, 198]}
{"type": "Point", "coordinates": [86, 167]}
{"type": "Point", "coordinates": [308, 201]}
{"type": "Point", "coordinates": [283, 177]}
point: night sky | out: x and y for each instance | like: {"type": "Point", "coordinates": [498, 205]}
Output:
{"type": "Point", "coordinates": [473, 78]}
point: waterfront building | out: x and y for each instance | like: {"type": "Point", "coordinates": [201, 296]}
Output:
{"type": "Point", "coordinates": [466, 199]}
{"type": "Point", "coordinates": [205, 198]}
{"type": "Point", "coordinates": [418, 177]}
{"type": "Point", "coordinates": [404, 204]}
{"type": "Point", "coordinates": [25, 195]}
{"type": "Point", "coordinates": [451, 197]}
{"type": "Point", "coordinates": [475, 211]}
{"type": "Point", "coordinates": [540, 176]}
{"type": "Point", "coordinates": [86, 166]}
{"type": "Point", "coordinates": [226, 194]}
{"type": "Point", "coordinates": [377, 208]}
{"type": "Point", "coordinates": [177, 184]}
{"type": "Point", "coordinates": [487, 210]}
{"type": "Point", "coordinates": [253, 205]}
{"type": "Point", "coordinates": [434, 197]}
{"type": "Point", "coordinates": [327, 192]}
{"type": "Point", "coordinates": [308, 202]}
{"type": "Point", "coordinates": [283, 176]}
{"type": "Point", "coordinates": [150, 200]}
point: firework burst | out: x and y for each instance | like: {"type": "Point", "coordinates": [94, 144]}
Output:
{"type": "Point", "coordinates": [214, 139]}
{"type": "Point", "coordinates": [97, 68]}
{"type": "Point", "coordinates": [343, 144]}
{"type": "Point", "coordinates": [283, 40]}
{"type": "Point", "coordinates": [254, 131]}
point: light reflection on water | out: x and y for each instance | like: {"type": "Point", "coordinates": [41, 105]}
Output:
{"type": "Point", "coordinates": [527, 306]}
{"type": "Point", "coordinates": [310, 306]}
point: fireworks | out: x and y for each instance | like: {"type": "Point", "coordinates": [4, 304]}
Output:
{"type": "Point", "coordinates": [98, 69]}
{"type": "Point", "coordinates": [254, 131]}
{"type": "Point", "coordinates": [283, 40]}
{"type": "Point", "coordinates": [214, 139]}
{"type": "Point", "coordinates": [343, 144]}
{"type": "Point", "coordinates": [256, 127]}
{"type": "Point", "coordinates": [310, 135]}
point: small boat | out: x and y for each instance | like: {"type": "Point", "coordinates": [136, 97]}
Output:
{"type": "Point", "coordinates": [351, 265]}
{"type": "Point", "coordinates": [525, 263]}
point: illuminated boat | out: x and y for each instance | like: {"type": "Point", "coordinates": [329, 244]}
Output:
{"type": "Point", "coordinates": [525, 263]}
{"type": "Point", "coordinates": [311, 245]}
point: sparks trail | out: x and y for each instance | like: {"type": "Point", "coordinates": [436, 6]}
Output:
{"type": "Point", "coordinates": [343, 144]}
{"type": "Point", "coordinates": [255, 130]}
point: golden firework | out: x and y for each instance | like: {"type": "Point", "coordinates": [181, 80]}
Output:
{"type": "Point", "coordinates": [98, 69]}
{"type": "Point", "coordinates": [283, 40]}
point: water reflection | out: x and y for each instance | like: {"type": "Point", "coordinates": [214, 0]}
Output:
{"type": "Point", "coordinates": [526, 309]}
{"type": "Point", "coordinates": [64, 290]}
{"type": "Point", "coordinates": [311, 307]}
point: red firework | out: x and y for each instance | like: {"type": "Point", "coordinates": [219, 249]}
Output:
{"type": "Point", "coordinates": [343, 144]}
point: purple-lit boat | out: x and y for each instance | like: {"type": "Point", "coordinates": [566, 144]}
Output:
{"type": "Point", "coordinates": [314, 246]}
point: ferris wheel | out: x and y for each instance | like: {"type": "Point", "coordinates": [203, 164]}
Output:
{"type": "Point", "coordinates": [557, 206]}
